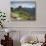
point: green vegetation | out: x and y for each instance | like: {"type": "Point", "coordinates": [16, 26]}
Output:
{"type": "Point", "coordinates": [21, 14]}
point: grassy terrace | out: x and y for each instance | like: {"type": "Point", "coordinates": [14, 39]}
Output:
{"type": "Point", "coordinates": [22, 14]}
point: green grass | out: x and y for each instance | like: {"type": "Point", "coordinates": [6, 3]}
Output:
{"type": "Point", "coordinates": [22, 14]}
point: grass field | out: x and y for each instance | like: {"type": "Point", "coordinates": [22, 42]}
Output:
{"type": "Point", "coordinates": [22, 14]}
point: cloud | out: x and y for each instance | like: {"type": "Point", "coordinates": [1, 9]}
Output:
{"type": "Point", "coordinates": [26, 5]}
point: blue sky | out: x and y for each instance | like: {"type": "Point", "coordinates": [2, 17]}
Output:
{"type": "Point", "coordinates": [24, 5]}
{"type": "Point", "coordinates": [17, 0]}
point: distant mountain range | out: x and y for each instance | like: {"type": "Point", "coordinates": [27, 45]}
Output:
{"type": "Point", "coordinates": [29, 10]}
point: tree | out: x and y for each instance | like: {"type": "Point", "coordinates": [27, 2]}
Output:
{"type": "Point", "coordinates": [20, 7]}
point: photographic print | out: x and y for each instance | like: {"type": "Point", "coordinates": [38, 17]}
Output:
{"type": "Point", "coordinates": [21, 10]}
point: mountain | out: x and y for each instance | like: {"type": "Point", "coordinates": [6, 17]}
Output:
{"type": "Point", "coordinates": [29, 10]}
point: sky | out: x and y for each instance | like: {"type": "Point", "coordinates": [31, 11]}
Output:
{"type": "Point", "coordinates": [24, 5]}
{"type": "Point", "coordinates": [21, 0]}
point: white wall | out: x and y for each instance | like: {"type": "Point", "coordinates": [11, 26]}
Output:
{"type": "Point", "coordinates": [25, 27]}
{"type": "Point", "coordinates": [40, 15]}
